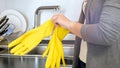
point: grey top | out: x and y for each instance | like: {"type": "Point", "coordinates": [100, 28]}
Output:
{"type": "Point", "coordinates": [102, 33]}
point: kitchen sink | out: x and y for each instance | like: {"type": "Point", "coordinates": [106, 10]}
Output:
{"type": "Point", "coordinates": [33, 59]}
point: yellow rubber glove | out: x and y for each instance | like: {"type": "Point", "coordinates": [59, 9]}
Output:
{"type": "Point", "coordinates": [31, 39]}
{"type": "Point", "coordinates": [55, 49]}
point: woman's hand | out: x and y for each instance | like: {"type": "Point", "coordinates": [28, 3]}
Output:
{"type": "Point", "coordinates": [61, 20]}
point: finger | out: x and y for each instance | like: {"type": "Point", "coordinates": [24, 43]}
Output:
{"type": "Point", "coordinates": [14, 43]}
{"type": "Point", "coordinates": [62, 52]}
{"type": "Point", "coordinates": [20, 50]}
{"type": "Point", "coordinates": [48, 48]}
{"type": "Point", "coordinates": [20, 39]}
{"type": "Point", "coordinates": [55, 20]}
{"type": "Point", "coordinates": [16, 48]}
{"type": "Point", "coordinates": [25, 51]}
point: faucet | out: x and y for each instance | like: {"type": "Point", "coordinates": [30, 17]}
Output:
{"type": "Point", "coordinates": [38, 13]}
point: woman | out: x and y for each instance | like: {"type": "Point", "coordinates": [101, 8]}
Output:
{"type": "Point", "coordinates": [101, 32]}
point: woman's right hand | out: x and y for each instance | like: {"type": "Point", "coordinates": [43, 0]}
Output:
{"type": "Point", "coordinates": [61, 20]}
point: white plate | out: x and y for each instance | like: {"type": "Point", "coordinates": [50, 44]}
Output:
{"type": "Point", "coordinates": [17, 19]}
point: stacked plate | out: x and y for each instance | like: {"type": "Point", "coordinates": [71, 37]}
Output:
{"type": "Point", "coordinates": [16, 19]}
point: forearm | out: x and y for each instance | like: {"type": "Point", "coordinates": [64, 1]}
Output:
{"type": "Point", "coordinates": [75, 28]}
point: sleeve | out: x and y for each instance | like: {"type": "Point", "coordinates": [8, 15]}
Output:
{"type": "Point", "coordinates": [107, 30]}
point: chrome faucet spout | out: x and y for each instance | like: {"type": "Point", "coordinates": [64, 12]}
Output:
{"type": "Point", "coordinates": [38, 13]}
